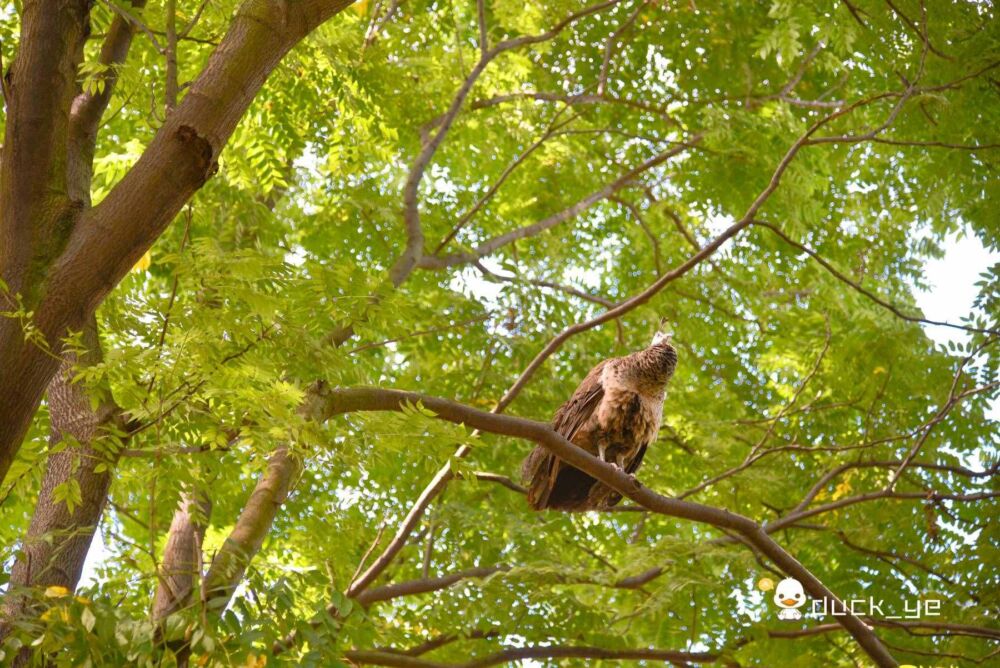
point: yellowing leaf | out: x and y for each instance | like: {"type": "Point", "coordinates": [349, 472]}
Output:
{"type": "Point", "coordinates": [144, 262]}
{"type": "Point", "coordinates": [842, 490]}
{"type": "Point", "coordinates": [57, 613]}
{"type": "Point", "coordinates": [55, 591]}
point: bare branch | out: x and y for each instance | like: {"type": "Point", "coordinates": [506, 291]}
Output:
{"type": "Point", "coordinates": [368, 552]}
{"type": "Point", "coordinates": [378, 22]}
{"type": "Point", "coordinates": [838, 470]}
{"type": "Point", "coordinates": [492, 190]}
{"type": "Point", "coordinates": [921, 31]}
{"type": "Point", "coordinates": [421, 586]}
{"type": "Point", "coordinates": [134, 21]}
{"type": "Point", "coordinates": [437, 484]}
{"type": "Point", "coordinates": [484, 45]}
{"type": "Point", "coordinates": [172, 87]}
{"type": "Point", "coordinates": [567, 289]}
{"type": "Point", "coordinates": [418, 333]}
{"type": "Point", "coordinates": [953, 398]}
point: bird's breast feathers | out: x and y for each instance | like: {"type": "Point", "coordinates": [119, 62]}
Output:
{"type": "Point", "coordinates": [627, 413]}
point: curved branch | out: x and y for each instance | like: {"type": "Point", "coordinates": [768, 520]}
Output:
{"type": "Point", "coordinates": [421, 586]}
{"type": "Point", "coordinates": [373, 399]}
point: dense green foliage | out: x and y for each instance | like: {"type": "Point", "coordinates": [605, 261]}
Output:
{"type": "Point", "coordinates": [214, 345]}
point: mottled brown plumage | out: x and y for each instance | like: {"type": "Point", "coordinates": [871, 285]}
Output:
{"type": "Point", "coordinates": [615, 414]}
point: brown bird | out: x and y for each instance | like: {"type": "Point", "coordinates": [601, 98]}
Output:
{"type": "Point", "coordinates": [615, 414]}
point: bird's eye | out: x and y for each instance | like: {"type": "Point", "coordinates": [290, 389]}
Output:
{"type": "Point", "coordinates": [798, 596]}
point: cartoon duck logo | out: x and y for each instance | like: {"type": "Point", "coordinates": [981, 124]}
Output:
{"type": "Point", "coordinates": [789, 596]}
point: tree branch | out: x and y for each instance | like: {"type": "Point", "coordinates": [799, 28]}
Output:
{"type": "Point", "coordinates": [858, 288]}
{"type": "Point", "coordinates": [372, 399]}
{"type": "Point", "coordinates": [491, 245]}
{"type": "Point", "coordinates": [517, 654]}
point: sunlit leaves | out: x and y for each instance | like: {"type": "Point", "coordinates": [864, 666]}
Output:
{"type": "Point", "coordinates": [211, 349]}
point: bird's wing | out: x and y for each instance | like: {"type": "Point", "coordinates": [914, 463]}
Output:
{"type": "Point", "coordinates": [574, 414]}
{"type": "Point", "coordinates": [541, 468]}
{"type": "Point", "coordinates": [633, 465]}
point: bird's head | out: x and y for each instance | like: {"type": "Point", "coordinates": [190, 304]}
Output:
{"type": "Point", "coordinates": [662, 355]}
{"type": "Point", "coordinates": [664, 333]}
{"type": "Point", "coordinates": [661, 337]}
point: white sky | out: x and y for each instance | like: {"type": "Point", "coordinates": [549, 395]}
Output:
{"type": "Point", "coordinates": [953, 281]}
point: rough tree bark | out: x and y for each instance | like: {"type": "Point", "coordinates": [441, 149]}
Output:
{"type": "Point", "coordinates": [36, 210]}
{"type": "Point", "coordinates": [58, 538]}
{"type": "Point", "coordinates": [180, 571]}
{"type": "Point", "coordinates": [96, 247]}
{"type": "Point", "coordinates": [57, 542]}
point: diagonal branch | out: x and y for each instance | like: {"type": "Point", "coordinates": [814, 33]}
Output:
{"type": "Point", "coordinates": [97, 247]}
{"type": "Point", "coordinates": [840, 276]}
{"type": "Point", "coordinates": [89, 106]}
{"type": "Point", "coordinates": [421, 586]}
{"type": "Point", "coordinates": [612, 44]}
{"type": "Point", "coordinates": [491, 245]}
{"type": "Point", "coordinates": [372, 399]}
{"type": "Point", "coordinates": [492, 190]}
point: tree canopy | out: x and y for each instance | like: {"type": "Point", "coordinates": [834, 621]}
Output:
{"type": "Point", "coordinates": [306, 280]}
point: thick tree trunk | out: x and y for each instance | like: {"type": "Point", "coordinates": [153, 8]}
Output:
{"type": "Point", "coordinates": [58, 541]}
{"type": "Point", "coordinates": [97, 247]}
{"type": "Point", "coordinates": [73, 125]}
{"type": "Point", "coordinates": [59, 538]}
{"type": "Point", "coordinates": [36, 212]}
{"type": "Point", "coordinates": [33, 200]}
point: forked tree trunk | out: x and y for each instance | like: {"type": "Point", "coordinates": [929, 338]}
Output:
{"type": "Point", "coordinates": [62, 258]}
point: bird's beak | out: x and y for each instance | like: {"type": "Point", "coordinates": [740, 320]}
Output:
{"type": "Point", "coordinates": [788, 601]}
